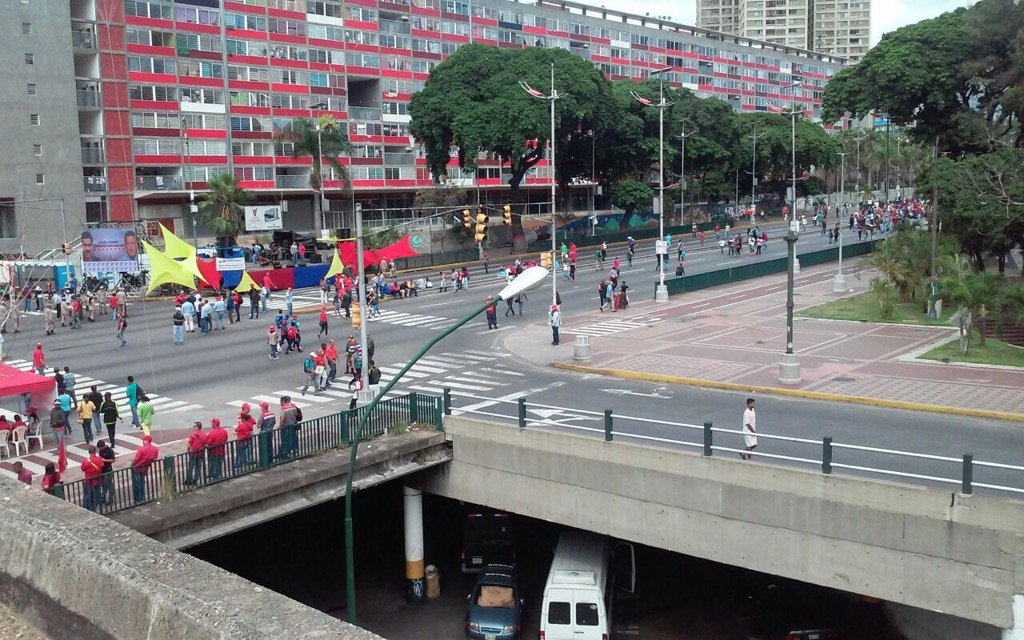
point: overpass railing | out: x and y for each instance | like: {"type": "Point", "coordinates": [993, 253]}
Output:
{"type": "Point", "coordinates": [825, 453]}
{"type": "Point", "coordinates": [181, 473]}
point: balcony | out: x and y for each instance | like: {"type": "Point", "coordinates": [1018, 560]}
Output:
{"type": "Point", "coordinates": [88, 97]}
{"type": "Point", "coordinates": [291, 182]}
{"type": "Point", "coordinates": [364, 113]}
{"type": "Point", "coordinates": [92, 155]}
{"type": "Point", "coordinates": [393, 159]}
{"type": "Point", "coordinates": [83, 40]}
{"type": "Point", "coordinates": [94, 183]}
{"type": "Point", "coordinates": [158, 183]}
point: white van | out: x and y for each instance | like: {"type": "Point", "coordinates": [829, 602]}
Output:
{"type": "Point", "coordinates": [581, 584]}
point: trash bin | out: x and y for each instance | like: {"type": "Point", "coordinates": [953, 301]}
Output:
{"type": "Point", "coordinates": [581, 349]}
{"type": "Point", "coordinates": [433, 580]}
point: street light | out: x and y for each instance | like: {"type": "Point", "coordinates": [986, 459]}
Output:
{"type": "Point", "coordinates": [319, 106]}
{"type": "Point", "coordinates": [839, 284]}
{"type": "Point", "coordinates": [550, 97]}
{"type": "Point", "coordinates": [661, 291]}
{"type": "Point", "coordinates": [525, 280]}
{"type": "Point", "coordinates": [754, 136]}
{"type": "Point", "coordinates": [789, 367]}
{"type": "Point", "coordinates": [193, 209]}
{"type": "Point", "coordinates": [682, 171]}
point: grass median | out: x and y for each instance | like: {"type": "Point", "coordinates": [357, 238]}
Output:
{"type": "Point", "coordinates": [993, 352]}
{"type": "Point", "coordinates": [864, 307]}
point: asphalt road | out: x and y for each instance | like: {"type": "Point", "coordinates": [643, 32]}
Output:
{"type": "Point", "coordinates": [212, 374]}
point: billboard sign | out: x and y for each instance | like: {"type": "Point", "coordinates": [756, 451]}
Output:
{"type": "Point", "coordinates": [110, 249]}
{"type": "Point", "coordinates": [230, 264]}
{"type": "Point", "coordinates": [264, 218]}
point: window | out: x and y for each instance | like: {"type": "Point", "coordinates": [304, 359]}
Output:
{"type": "Point", "coordinates": [30, 58]}
{"type": "Point", "coordinates": [40, 178]}
{"type": "Point", "coordinates": [32, 89]}
{"type": "Point", "coordinates": [33, 119]}
{"type": "Point", "coordinates": [558, 613]}
{"type": "Point", "coordinates": [26, 28]}
{"type": "Point", "coordinates": [586, 614]}
{"type": "Point", "coordinates": [8, 223]}
{"type": "Point", "coordinates": [37, 149]}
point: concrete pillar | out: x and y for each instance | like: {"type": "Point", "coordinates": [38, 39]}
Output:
{"type": "Point", "coordinates": [414, 569]}
{"type": "Point", "coordinates": [1017, 632]}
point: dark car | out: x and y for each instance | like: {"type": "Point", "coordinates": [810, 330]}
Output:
{"type": "Point", "coordinates": [782, 613]}
{"type": "Point", "coordinates": [486, 539]}
{"type": "Point", "coordinates": [495, 607]}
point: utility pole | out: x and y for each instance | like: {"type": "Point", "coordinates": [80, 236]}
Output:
{"type": "Point", "coordinates": [682, 174]}
{"type": "Point", "coordinates": [933, 228]}
{"type": "Point", "coordinates": [753, 172]}
{"type": "Point", "coordinates": [839, 284]}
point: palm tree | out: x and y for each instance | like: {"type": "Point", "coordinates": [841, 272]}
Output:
{"type": "Point", "coordinates": [322, 139]}
{"type": "Point", "coordinates": [975, 294]}
{"type": "Point", "coordinates": [222, 208]}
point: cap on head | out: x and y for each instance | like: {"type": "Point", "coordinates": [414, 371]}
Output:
{"type": "Point", "coordinates": [215, 422]}
{"type": "Point", "coordinates": [264, 405]}
{"type": "Point", "coordinates": [39, 344]}
{"type": "Point", "coordinates": [147, 438]}
{"type": "Point", "coordinates": [554, 307]}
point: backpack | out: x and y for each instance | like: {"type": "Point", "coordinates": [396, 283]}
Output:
{"type": "Point", "coordinates": [308, 365]}
{"type": "Point", "coordinates": [373, 375]}
{"type": "Point", "coordinates": [298, 415]}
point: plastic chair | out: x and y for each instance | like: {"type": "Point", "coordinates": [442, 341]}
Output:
{"type": "Point", "coordinates": [19, 439]}
{"type": "Point", "coordinates": [4, 437]}
{"type": "Point", "coordinates": [38, 435]}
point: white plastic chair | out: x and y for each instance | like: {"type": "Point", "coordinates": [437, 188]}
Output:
{"type": "Point", "coordinates": [20, 440]}
{"type": "Point", "coordinates": [38, 435]}
{"type": "Point", "coordinates": [4, 437]}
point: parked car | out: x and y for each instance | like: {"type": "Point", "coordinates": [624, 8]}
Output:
{"type": "Point", "coordinates": [486, 539]}
{"type": "Point", "coordinates": [782, 614]}
{"type": "Point", "coordinates": [495, 608]}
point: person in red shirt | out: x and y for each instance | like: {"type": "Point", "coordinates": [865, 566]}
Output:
{"type": "Point", "coordinates": [141, 464]}
{"type": "Point", "coordinates": [39, 360]}
{"type": "Point", "coordinates": [24, 475]}
{"type": "Point", "coordinates": [243, 438]}
{"type": "Point", "coordinates": [196, 452]}
{"type": "Point", "coordinates": [323, 321]}
{"type": "Point", "coordinates": [4, 425]}
{"type": "Point", "coordinates": [331, 353]}
{"type": "Point", "coordinates": [51, 478]}
{"type": "Point", "coordinates": [215, 440]}
{"type": "Point", "coordinates": [92, 467]}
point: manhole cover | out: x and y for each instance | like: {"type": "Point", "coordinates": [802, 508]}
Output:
{"type": "Point", "coordinates": [759, 342]}
{"type": "Point", "coordinates": [845, 379]}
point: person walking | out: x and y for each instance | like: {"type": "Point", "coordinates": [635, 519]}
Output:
{"type": "Point", "coordinates": [141, 464]}
{"type": "Point", "coordinates": [132, 391]}
{"type": "Point", "coordinates": [309, 369]}
{"type": "Point", "coordinates": [69, 384]}
{"type": "Point", "coordinates": [108, 456]}
{"type": "Point", "coordinates": [196, 473]}
{"type": "Point", "coordinates": [92, 468]}
{"type": "Point", "coordinates": [243, 439]}
{"type": "Point", "coordinates": [178, 326]}
{"type": "Point", "coordinates": [510, 311]}
{"type": "Point", "coordinates": [219, 310]}
{"type": "Point", "coordinates": [267, 422]}
{"type": "Point", "coordinates": [492, 314]}
{"type": "Point", "coordinates": [39, 359]}
{"type": "Point", "coordinates": [188, 310]}
{"type": "Point", "coordinates": [289, 301]}
{"type": "Point", "coordinates": [86, 408]}
{"type": "Point", "coordinates": [50, 315]}
{"type": "Point", "coordinates": [323, 322]}
{"type": "Point", "coordinates": [556, 323]}
{"type": "Point", "coordinates": [215, 440]}
{"type": "Point", "coordinates": [273, 342]}
{"type": "Point", "coordinates": [58, 422]}
{"type": "Point", "coordinates": [749, 430]}
{"type": "Point", "coordinates": [122, 327]}
{"type": "Point", "coordinates": [331, 354]}
{"type": "Point", "coordinates": [290, 418]}
{"type": "Point", "coordinates": [110, 416]}
{"type": "Point", "coordinates": [254, 304]}
{"type": "Point", "coordinates": [145, 414]}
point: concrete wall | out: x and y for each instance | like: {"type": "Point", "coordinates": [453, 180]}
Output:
{"type": "Point", "coordinates": [76, 575]}
{"type": "Point", "coordinates": [38, 224]}
{"type": "Point", "coordinates": [926, 548]}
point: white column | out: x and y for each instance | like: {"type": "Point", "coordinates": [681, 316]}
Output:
{"type": "Point", "coordinates": [414, 568]}
{"type": "Point", "coordinates": [1017, 632]}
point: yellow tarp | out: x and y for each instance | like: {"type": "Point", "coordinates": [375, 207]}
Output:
{"type": "Point", "coordinates": [164, 270]}
{"type": "Point", "coordinates": [246, 283]}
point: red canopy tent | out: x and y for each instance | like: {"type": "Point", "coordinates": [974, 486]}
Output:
{"type": "Point", "coordinates": [15, 383]}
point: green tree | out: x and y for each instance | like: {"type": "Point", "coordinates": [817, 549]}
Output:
{"type": "Point", "coordinates": [223, 205]}
{"type": "Point", "coordinates": [472, 103]}
{"type": "Point", "coordinates": [976, 294]}
{"type": "Point", "coordinates": [629, 195]}
{"type": "Point", "coordinates": [319, 139]}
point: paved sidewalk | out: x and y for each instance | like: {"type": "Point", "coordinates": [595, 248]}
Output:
{"type": "Point", "coordinates": [733, 336]}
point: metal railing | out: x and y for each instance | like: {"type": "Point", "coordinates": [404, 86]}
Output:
{"type": "Point", "coordinates": [88, 97]}
{"type": "Point", "coordinates": [83, 39]}
{"type": "Point", "coordinates": [291, 182]}
{"type": "Point", "coordinates": [94, 183]}
{"type": "Point", "coordinates": [184, 472]}
{"type": "Point", "coordinates": [92, 155]}
{"type": "Point", "coordinates": [158, 183]}
{"type": "Point", "coordinates": [364, 113]}
{"type": "Point", "coordinates": [824, 454]}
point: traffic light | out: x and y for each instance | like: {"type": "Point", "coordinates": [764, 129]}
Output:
{"type": "Point", "coordinates": [467, 220]}
{"type": "Point", "coordinates": [545, 259]}
{"type": "Point", "coordinates": [357, 315]}
{"type": "Point", "coordinates": [481, 225]}
{"type": "Point", "coordinates": [506, 213]}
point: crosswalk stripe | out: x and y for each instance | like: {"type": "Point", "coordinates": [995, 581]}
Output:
{"type": "Point", "coordinates": [428, 369]}
{"type": "Point", "coordinates": [311, 398]}
{"type": "Point", "coordinates": [337, 393]}
{"type": "Point", "coordinates": [503, 372]}
{"type": "Point", "coordinates": [485, 355]}
{"type": "Point", "coordinates": [467, 387]}
{"type": "Point", "coordinates": [479, 380]}
{"type": "Point", "coordinates": [443, 361]}
{"type": "Point", "coordinates": [428, 389]}
{"type": "Point", "coordinates": [393, 371]}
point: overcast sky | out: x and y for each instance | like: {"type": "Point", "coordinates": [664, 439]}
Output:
{"type": "Point", "coordinates": [886, 15]}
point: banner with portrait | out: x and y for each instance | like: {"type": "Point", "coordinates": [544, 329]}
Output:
{"type": "Point", "coordinates": [110, 249]}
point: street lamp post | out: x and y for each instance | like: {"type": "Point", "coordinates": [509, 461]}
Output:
{"type": "Point", "coordinates": [319, 222]}
{"type": "Point", "coordinates": [528, 278]}
{"type": "Point", "coordinates": [661, 291]}
{"type": "Point", "coordinates": [789, 367]}
{"type": "Point", "coordinates": [839, 284]}
{"type": "Point", "coordinates": [753, 173]}
{"type": "Point", "coordinates": [793, 112]}
{"type": "Point", "coordinates": [550, 97]}
{"type": "Point", "coordinates": [682, 173]}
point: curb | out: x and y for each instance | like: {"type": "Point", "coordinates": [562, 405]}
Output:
{"type": "Point", "coordinates": [793, 393]}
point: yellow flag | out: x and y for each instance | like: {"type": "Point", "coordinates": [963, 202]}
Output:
{"type": "Point", "coordinates": [175, 247]}
{"type": "Point", "coordinates": [336, 266]}
{"type": "Point", "coordinates": [163, 270]}
{"type": "Point", "coordinates": [246, 283]}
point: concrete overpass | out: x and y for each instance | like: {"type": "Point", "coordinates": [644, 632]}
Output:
{"type": "Point", "coordinates": [950, 565]}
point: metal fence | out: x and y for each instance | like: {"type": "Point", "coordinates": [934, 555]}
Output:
{"type": "Point", "coordinates": [180, 473]}
{"type": "Point", "coordinates": [824, 453]}
{"type": "Point", "coordinates": [708, 279]}
{"type": "Point", "coordinates": [431, 259]}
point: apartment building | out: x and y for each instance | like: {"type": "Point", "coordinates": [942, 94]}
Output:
{"type": "Point", "coordinates": [833, 27]}
{"type": "Point", "coordinates": [172, 93]}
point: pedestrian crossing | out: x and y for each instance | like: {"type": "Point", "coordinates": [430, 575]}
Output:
{"type": "Point", "coordinates": [610, 327]}
{"type": "Point", "coordinates": [466, 372]}
{"type": "Point", "coordinates": [418, 320]}
{"type": "Point", "coordinates": [161, 404]}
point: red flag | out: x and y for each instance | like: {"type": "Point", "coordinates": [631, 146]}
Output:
{"type": "Point", "coordinates": [62, 457]}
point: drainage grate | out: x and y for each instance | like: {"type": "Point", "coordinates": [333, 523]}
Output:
{"type": "Point", "coordinates": [844, 379]}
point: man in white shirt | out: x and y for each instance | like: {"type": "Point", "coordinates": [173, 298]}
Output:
{"type": "Point", "coordinates": [749, 430]}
